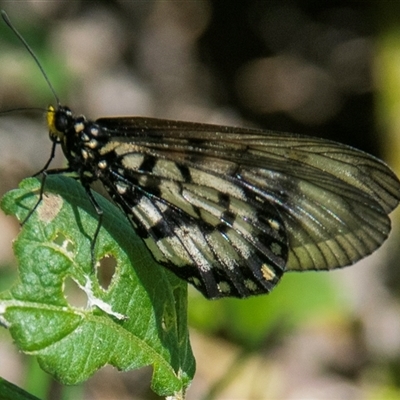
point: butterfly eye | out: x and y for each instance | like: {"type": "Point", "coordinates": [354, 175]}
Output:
{"type": "Point", "coordinates": [62, 121]}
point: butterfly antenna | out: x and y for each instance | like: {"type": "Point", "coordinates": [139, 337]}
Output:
{"type": "Point", "coordinates": [26, 45]}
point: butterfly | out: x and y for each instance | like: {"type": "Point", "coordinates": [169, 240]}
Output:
{"type": "Point", "coordinates": [230, 209]}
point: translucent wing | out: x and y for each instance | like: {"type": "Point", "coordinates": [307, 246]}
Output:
{"type": "Point", "coordinates": [239, 205]}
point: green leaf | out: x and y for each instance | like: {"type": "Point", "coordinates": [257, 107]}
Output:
{"type": "Point", "coordinates": [139, 319]}
{"type": "Point", "coordinates": [9, 391]}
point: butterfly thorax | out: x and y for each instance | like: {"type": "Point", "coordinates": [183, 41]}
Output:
{"type": "Point", "coordinates": [81, 140]}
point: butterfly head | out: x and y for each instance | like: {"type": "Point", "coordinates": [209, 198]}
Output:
{"type": "Point", "coordinates": [59, 121]}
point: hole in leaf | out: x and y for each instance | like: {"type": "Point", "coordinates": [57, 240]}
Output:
{"type": "Point", "coordinates": [74, 294]}
{"type": "Point", "coordinates": [106, 270]}
{"type": "Point", "coordinates": [62, 241]}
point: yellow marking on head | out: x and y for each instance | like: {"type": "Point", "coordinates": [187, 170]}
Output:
{"type": "Point", "coordinates": [54, 133]}
{"type": "Point", "coordinates": [51, 121]}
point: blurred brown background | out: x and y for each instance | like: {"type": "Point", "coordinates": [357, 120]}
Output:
{"type": "Point", "coordinates": [328, 69]}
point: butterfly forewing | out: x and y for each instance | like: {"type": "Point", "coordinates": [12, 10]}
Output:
{"type": "Point", "coordinates": [329, 201]}
{"type": "Point", "coordinates": [214, 239]}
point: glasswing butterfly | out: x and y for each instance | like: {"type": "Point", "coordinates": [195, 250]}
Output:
{"type": "Point", "coordinates": [229, 209]}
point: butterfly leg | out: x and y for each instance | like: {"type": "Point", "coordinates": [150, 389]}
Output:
{"type": "Point", "coordinates": [52, 154]}
{"type": "Point", "coordinates": [44, 173]}
{"type": "Point", "coordinates": [99, 212]}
